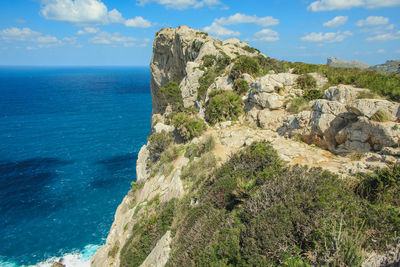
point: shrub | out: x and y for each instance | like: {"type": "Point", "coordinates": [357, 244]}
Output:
{"type": "Point", "coordinates": [245, 64]}
{"type": "Point", "coordinates": [170, 94]}
{"type": "Point", "coordinates": [313, 94]}
{"type": "Point", "coordinates": [382, 185]}
{"type": "Point", "coordinates": [304, 68]}
{"type": "Point", "coordinates": [158, 142]}
{"type": "Point", "coordinates": [188, 127]}
{"type": "Point", "coordinates": [241, 86]}
{"type": "Point", "coordinates": [196, 150]}
{"type": "Point", "coordinates": [296, 105]}
{"type": "Point", "coordinates": [209, 60]}
{"type": "Point", "coordinates": [306, 81]}
{"type": "Point", "coordinates": [145, 235]}
{"type": "Point", "coordinates": [223, 106]}
{"type": "Point", "coordinates": [199, 169]}
{"type": "Point", "coordinates": [250, 49]}
{"type": "Point", "coordinates": [381, 116]}
{"type": "Point", "coordinates": [267, 64]}
{"type": "Point", "coordinates": [205, 82]}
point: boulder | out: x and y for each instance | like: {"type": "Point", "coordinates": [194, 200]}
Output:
{"type": "Point", "coordinates": [265, 100]}
{"type": "Point", "coordinates": [190, 84]}
{"type": "Point", "coordinates": [159, 127]}
{"type": "Point", "coordinates": [297, 124]}
{"type": "Point", "coordinates": [142, 172]}
{"type": "Point", "coordinates": [270, 119]}
{"type": "Point", "coordinates": [267, 83]}
{"type": "Point", "coordinates": [342, 93]}
{"type": "Point", "coordinates": [368, 107]}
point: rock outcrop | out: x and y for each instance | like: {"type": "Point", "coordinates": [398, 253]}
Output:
{"type": "Point", "coordinates": [340, 63]}
{"type": "Point", "coordinates": [391, 66]}
{"type": "Point", "coordinates": [323, 134]}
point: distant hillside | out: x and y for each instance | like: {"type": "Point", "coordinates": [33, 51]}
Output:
{"type": "Point", "coordinates": [391, 66]}
{"type": "Point", "coordinates": [340, 63]}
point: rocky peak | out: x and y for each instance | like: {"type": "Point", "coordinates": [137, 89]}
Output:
{"type": "Point", "coordinates": [340, 63]}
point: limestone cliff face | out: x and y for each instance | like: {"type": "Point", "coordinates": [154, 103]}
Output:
{"type": "Point", "coordinates": [339, 124]}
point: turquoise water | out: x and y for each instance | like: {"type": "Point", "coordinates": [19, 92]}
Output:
{"type": "Point", "coordinates": [69, 139]}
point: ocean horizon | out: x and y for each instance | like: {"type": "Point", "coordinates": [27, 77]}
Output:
{"type": "Point", "coordinates": [69, 138]}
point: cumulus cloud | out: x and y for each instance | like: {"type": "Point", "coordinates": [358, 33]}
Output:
{"type": "Point", "coordinates": [181, 4]}
{"type": "Point", "coordinates": [218, 30]}
{"type": "Point", "coordinates": [138, 22]}
{"type": "Point", "coordinates": [108, 38]}
{"type": "Point", "coordinates": [267, 35]}
{"type": "Point", "coordinates": [327, 5]}
{"type": "Point", "coordinates": [88, 30]}
{"type": "Point", "coordinates": [381, 51]}
{"type": "Point", "coordinates": [329, 37]}
{"type": "Point", "coordinates": [26, 35]}
{"type": "Point", "coordinates": [385, 37]}
{"type": "Point", "coordinates": [85, 12]}
{"type": "Point", "coordinates": [336, 21]}
{"type": "Point", "coordinates": [217, 27]}
{"type": "Point", "coordinates": [372, 21]}
{"type": "Point", "coordinates": [242, 18]}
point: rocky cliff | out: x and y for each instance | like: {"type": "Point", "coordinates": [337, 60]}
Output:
{"type": "Point", "coordinates": [340, 63]}
{"type": "Point", "coordinates": [217, 106]}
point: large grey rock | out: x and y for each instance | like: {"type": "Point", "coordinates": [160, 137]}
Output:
{"type": "Point", "coordinates": [297, 124]}
{"type": "Point", "coordinates": [368, 107]}
{"type": "Point", "coordinates": [269, 82]}
{"type": "Point", "coordinates": [159, 127]}
{"type": "Point", "coordinates": [342, 93]}
{"type": "Point", "coordinates": [271, 101]}
{"type": "Point", "coordinates": [190, 84]}
{"type": "Point", "coordinates": [142, 172]}
{"type": "Point", "coordinates": [366, 135]}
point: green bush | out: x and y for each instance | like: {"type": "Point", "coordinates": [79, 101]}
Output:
{"type": "Point", "coordinates": [209, 60]}
{"type": "Point", "coordinates": [296, 105]}
{"type": "Point", "coordinates": [170, 94]}
{"type": "Point", "coordinates": [313, 94]}
{"type": "Point", "coordinates": [305, 68]}
{"type": "Point", "coordinates": [267, 64]}
{"type": "Point", "coordinates": [158, 142]}
{"type": "Point", "coordinates": [187, 126]}
{"type": "Point", "coordinates": [205, 82]}
{"type": "Point", "coordinates": [241, 86]}
{"type": "Point", "coordinates": [255, 211]}
{"type": "Point", "coordinates": [306, 81]}
{"type": "Point", "coordinates": [250, 49]}
{"type": "Point", "coordinates": [245, 64]}
{"type": "Point", "coordinates": [145, 235]}
{"type": "Point", "coordinates": [196, 150]}
{"type": "Point", "coordinates": [223, 106]}
{"type": "Point", "coordinates": [381, 186]}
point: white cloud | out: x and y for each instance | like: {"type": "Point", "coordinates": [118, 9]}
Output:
{"type": "Point", "coordinates": [86, 12]}
{"type": "Point", "coordinates": [113, 39]}
{"type": "Point", "coordinates": [381, 51]}
{"type": "Point", "coordinates": [88, 30]}
{"type": "Point", "coordinates": [372, 21]}
{"type": "Point", "coordinates": [336, 21]}
{"type": "Point", "coordinates": [242, 18]}
{"type": "Point", "coordinates": [327, 5]}
{"type": "Point", "coordinates": [138, 22]}
{"type": "Point", "coordinates": [267, 35]}
{"type": "Point", "coordinates": [385, 37]}
{"type": "Point", "coordinates": [218, 30]}
{"type": "Point", "coordinates": [18, 34]}
{"type": "Point", "coordinates": [181, 4]}
{"type": "Point", "coordinates": [329, 37]}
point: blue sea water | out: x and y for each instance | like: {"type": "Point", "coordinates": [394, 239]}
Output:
{"type": "Point", "coordinates": [69, 139]}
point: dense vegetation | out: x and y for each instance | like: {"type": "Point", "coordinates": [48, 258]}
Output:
{"type": "Point", "coordinates": [170, 94]}
{"type": "Point", "coordinates": [256, 211]}
{"type": "Point", "coordinates": [188, 126]}
{"type": "Point", "coordinates": [213, 67]}
{"type": "Point", "coordinates": [381, 83]}
{"type": "Point", "coordinates": [223, 106]}
{"type": "Point", "coordinates": [241, 86]}
{"type": "Point", "coordinates": [158, 143]}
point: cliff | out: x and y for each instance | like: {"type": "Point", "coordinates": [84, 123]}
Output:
{"type": "Point", "coordinates": [340, 63]}
{"type": "Point", "coordinates": [220, 181]}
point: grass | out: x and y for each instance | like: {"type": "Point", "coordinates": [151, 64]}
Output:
{"type": "Point", "coordinates": [381, 116]}
{"type": "Point", "coordinates": [297, 104]}
{"type": "Point", "coordinates": [241, 86]}
{"type": "Point", "coordinates": [306, 81]}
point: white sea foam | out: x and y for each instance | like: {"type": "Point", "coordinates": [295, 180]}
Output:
{"type": "Point", "coordinates": [74, 259]}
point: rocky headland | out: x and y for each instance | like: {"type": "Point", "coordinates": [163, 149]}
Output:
{"type": "Point", "coordinates": [231, 133]}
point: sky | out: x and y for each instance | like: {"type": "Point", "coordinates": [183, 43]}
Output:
{"type": "Point", "coordinates": [121, 32]}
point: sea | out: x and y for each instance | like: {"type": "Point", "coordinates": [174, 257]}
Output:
{"type": "Point", "coordinates": [69, 140]}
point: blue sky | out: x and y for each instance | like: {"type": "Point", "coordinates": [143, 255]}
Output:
{"type": "Point", "coordinates": [120, 32]}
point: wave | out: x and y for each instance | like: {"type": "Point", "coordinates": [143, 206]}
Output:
{"type": "Point", "coordinates": [73, 259]}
